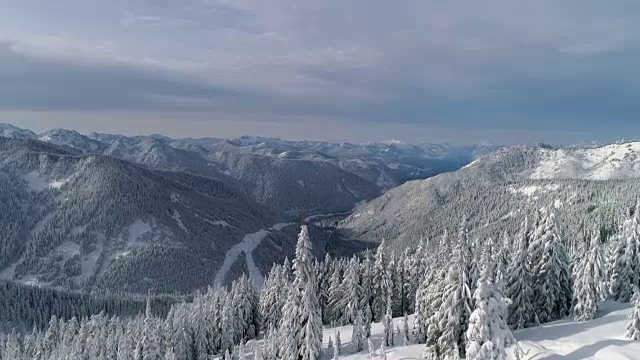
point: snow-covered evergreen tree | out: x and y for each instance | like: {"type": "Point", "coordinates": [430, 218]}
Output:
{"type": "Point", "coordinates": [488, 335]}
{"type": "Point", "coordinates": [454, 313]}
{"type": "Point", "coordinates": [633, 327]}
{"type": "Point", "coordinates": [381, 283]}
{"type": "Point", "coordinates": [337, 343]}
{"type": "Point", "coordinates": [551, 272]}
{"type": "Point", "coordinates": [271, 299]}
{"type": "Point", "coordinates": [589, 283]}
{"type": "Point", "coordinates": [518, 284]}
{"type": "Point", "coordinates": [357, 334]}
{"type": "Point", "coordinates": [388, 335]}
{"type": "Point", "coordinates": [405, 330]}
{"type": "Point", "coordinates": [301, 326]}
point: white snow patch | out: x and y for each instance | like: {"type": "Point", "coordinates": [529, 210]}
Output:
{"type": "Point", "coordinates": [138, 229]}
{"type": "Point", "coordinates": [530, 190]}
{"type": "Point", "coordinates": [616, 161]}
{"type": "Point", "coordinates": [89, 261]}
{"type": "Point", "coordinates": [281, 226]}
{"type": "Point", "coordinates": [36, 182]}
{"type": "Point", "coordinates": [557, 204]}
{"type": "Point", "coordinates": [599, 339]}
{"type": "Point", "coordinates": [68, 249]}
{"type": "Point", "coordinates": [247, 245]}
{"type": "Point", "coordinates": [301, 183]}
{"type": "Point", "coordinates": [57, 184]}
{"type": "Point", "coordinates": [178, 219]}
{"type": "Point", "coordinates": [77, 230]}
{"type": "Point", "coordinates": [175, 197]}
{"type": "Point", "coordinates": [7, 273]}
{"type": "Point", "coordinates": [218, 223]}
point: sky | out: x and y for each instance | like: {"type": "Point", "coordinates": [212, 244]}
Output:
{"type": "Point", "coordinates": [426, 70]}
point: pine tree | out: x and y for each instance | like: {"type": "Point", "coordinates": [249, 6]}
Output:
{"type": "Point", "coordinates": [301, 326]}
{"type": "Point", "coordinates": [335, 291]}
{"type": "Point", "coordinates": [381, 283]}
{"type": "Point", "coordinates": [454, 313]}
{"type": "Point", "coordinates": [372, 352]}
{"type": "Point", "coordinates": [633, 327]}
{"type": "Point", "coordinates": [357, 335]}
{"type": "Point", "coordinates": [383, 352]}
{"type": "Point", "coordinates": [620, 283]}
{"type": "Point", "coordinates": [625, 263]}
{"type": "Point", "coordinates": [488, 335]}
{"type": "Point", "coordinates": [589, 283]}
{"type": "Point", "coordinates": [338, 343]}
{"type": "Point", "coordinates": [367, 320]}
{"type": "Point", "coordinates": [552, 282]}
{"type": "Point", "coordinates": [518, 285]}
{"type": "Point", "coordinates": [387, 322]}
{"type": "Point", "coordinates": [405, 330]}
{"type": "Point", "coordinates": [271, 300]}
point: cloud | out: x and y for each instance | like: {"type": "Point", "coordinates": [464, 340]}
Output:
{"type": "Point", "coordinates": [497, 65]}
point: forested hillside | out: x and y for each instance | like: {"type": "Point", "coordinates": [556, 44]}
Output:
{"type": "Point", "coordinates": [494, 192]}
{"type": "Point", "coordinates": [467, 296]}
{"type": "Point", "coordinates": [77, 221]}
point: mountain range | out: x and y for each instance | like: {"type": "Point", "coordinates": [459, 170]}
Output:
{"type": "Point", "coordinates": [142, 213]}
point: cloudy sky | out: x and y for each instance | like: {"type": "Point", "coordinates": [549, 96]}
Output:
{"type": "Point", "coordinates": [423, 70]}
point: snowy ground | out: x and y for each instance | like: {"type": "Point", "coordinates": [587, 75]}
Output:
{"type": "Point", "coordinates": [599, 339]}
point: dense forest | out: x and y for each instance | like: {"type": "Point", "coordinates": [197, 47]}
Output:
{"type": "Point", "coordinates": [466, 294]}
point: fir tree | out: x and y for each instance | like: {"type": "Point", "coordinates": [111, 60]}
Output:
{"type": "Point", "coordinates": [357, 335]}
{"type": "Point", "coordinates": [454, 313]}
{"type": "Point", "coordinates": [488, 335]}
{"type": "Point", "coordinates": [552, 282]}
{"type": "Point", "coordinates": [518, 285]}
{"type": "Point", "coordinates": [301, 327]}
{"type": "Point", "coordinates": [589, 283]}
{"type": "Point", "coordinates": [633, 327]}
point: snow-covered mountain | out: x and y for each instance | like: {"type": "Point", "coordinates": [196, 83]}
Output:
{"type": "Point", "coordinates": [496, 191]}
{"type": "Point", "coordinates": [8, 130]}
{"type": "Point", "coordinates": [86, 221]}
{"type": "Point", "coordinates": [297, 178]}
{"type": "Point", "coordinates": [95, 221]}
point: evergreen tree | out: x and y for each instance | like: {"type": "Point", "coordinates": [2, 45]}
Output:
{"type": "Point", "coordinates": [271, 299]}
{"type": "Point", "coordinates": [405, 330]}
{"type": "Point", "coordinates": [488, 335]}
{"type": "Point", "coordinates": [589, 283]}
{"type": "Point", "coordinates": [381, 283]}
{"type": "Point", "coordinates": [383, 352]}
{"type": "Point", "coordinates": [518, 285]}
{"type": "Point", "coordinates": [552, 283]}
{"type": "Point", "coordinates": [454, 313]}
{"type": "Point", "coordinates": [301, 327]}
{"type": "Point", "coordinates": [357, 335]}
{"type": "Point", "coordinates": [633, 327]}
{"type": "Point", "coordinates": [338, 342]}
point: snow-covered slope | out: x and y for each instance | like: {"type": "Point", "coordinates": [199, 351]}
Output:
{"type": "Point", "coordinates": [617, 161]}
{"type": "Point", "coordinates": [496, 191]}
{"type": "Point", "coordinates": [599, 339]}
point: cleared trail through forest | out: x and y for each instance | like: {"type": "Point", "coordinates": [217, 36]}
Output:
{"type": "Point", "coordinates": [247, 245]}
